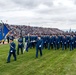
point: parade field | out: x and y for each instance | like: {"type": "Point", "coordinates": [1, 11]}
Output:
{"type": "Point", "coordinates": [53, 62]}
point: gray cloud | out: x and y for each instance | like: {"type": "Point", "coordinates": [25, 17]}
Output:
{"type": "Point", "coordinates": [74, 2]}
{"type": "Point", "coordinates": [33, 3]}
{"type": "Point", "coordinates": [49, 15]}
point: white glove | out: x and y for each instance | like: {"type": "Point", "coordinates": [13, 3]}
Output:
{"type": "Point", "coordinates": [39, 45]}
{"type": "Point", "coordinates": [11, 51]}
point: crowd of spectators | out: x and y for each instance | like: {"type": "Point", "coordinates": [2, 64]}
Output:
{"type": "Point", "coordinates": [24, 29]}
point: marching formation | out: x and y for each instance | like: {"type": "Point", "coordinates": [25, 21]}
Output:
{"type": "Point", "coordinates": [54, 42]}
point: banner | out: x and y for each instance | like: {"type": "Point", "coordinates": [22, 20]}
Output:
{"type": "Point", "coordinates": [3, 31]}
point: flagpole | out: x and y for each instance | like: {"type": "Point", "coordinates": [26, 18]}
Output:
{"type": "Point", "coordinates": [2, 28]}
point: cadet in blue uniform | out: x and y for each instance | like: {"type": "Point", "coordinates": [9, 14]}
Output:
{"type": "Point", "coordinates": [74, 41]}
{"type": "Point", "coordinates": [39, 46]}
{"type": "Point", "coordinates": [12, 50]}
{"type": "Point", "coordinates": [68, 40]}
{"type": "Point", "coordinates": [54, 42]}
{"type": "Point", "coordinates": [60, 37]}
{"type": "Point", "coordinates": [33, 41]}
{"type": "Point", "coordinates": [71, 43]}
{"type": "Point", "coordinates": [57, 42]}
{"type": "Point", "coordinates": [46, 42]}
{"type": "Point", "coordinates": [49, 42]}
{"type": "Point", "coordinates": [28, 40]}
{"type": "Point", "coordinates": [43, 38]}
{"type": "Point", "coordinates": [8, 38]}
{"type": "Point", "coordinates": [35, 38]}
{"type": "Point", "coordinates": [20, 45]}
{"type": "Point", "coordinates": [64, 43]}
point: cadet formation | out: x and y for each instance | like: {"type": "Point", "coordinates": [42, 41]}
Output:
{"type": "Point", "coordinates": [40, 42]}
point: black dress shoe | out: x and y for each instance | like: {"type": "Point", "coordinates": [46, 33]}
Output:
{"type": "Point", "coordinates": [15, 59]}
{"type": "Point", "coordinates": [8, 62]}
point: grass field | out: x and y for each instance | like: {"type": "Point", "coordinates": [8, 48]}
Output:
{"type": "Point", "coordinates": [53, 62]}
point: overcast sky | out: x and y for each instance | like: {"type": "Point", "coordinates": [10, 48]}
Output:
{"type": "Point", "coordinates": [46, 13]}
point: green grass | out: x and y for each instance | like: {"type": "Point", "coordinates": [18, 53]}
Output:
{"type": "Point", "coordinates": [53, 62]}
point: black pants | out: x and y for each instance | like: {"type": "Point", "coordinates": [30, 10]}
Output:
{"type": "Point", "coordinates": [19, 49]}
{"type": "Point", "coordinates": [64, 46]}
{"type": "Point", "coordinates": [8, 40]}
{"type": "Point", "coordinates": [45, 45]}
{"type": "Point", "coordinates": [52, 46]}
{"type": "Point", "coordinates": [38, 49]}
{"type": "Point", "coordinates": [9, 56]}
